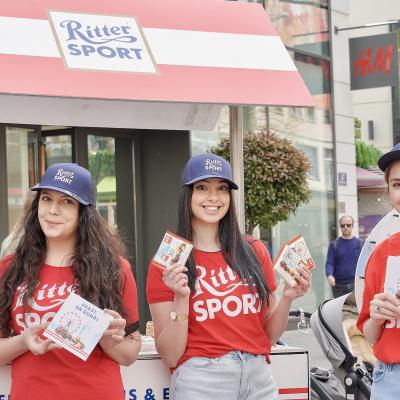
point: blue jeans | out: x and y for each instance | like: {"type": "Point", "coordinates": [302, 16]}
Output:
{"type": "Point", "coordinates": [386, 382]}
{"type": "Point", "coordinates": [233, 376]}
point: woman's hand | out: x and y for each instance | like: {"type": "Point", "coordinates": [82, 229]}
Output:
{"type": "Point", "coordinates": [303, 279]}
{"type": "Point", "coordinates": [35, 343]}
{"type": "Point", "coordinates": [175, 279]}
{"type": "Point", "coordinates": [383, 307]}
{"type": "Point", "coordinates": [115, 333]}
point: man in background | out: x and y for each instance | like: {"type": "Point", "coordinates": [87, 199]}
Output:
{"type": "Point", "coordinates": [341, 263]}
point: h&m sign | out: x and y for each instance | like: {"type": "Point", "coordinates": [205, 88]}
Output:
{"type": "Point", "coordinates": [374, 61]}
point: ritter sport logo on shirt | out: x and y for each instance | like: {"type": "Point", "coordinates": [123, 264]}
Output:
{"type": "Point", "coordinates": [101, 42]}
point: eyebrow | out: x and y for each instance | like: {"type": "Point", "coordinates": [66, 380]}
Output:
{"type": "Point", "coordinates": [209, 180]}
{"type": "Point", "coordinates": [394, 180]}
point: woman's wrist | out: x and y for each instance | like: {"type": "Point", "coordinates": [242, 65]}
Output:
{"type": "Point", "coordinates": [181, 304]}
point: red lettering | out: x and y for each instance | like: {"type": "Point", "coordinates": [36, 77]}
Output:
{"type": "Point", "coordinates": [382, 61]}
{"type": "Point", "coordinates": [362, 63]}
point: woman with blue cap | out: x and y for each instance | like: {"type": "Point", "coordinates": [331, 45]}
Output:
{"type": "Point", "coordinates": [66, 247]}
{"type": "Point", "coordinates": [216, 317]}
{"type": "Point", "coordinates": [380, 314]}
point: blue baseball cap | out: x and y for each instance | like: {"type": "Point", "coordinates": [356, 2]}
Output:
{"type": "Point", "coordinates": [204, 166]}
{"type": "Point", "coordinates": [71, 179]}
{"type": "Point", "coordinates": [388, 157]}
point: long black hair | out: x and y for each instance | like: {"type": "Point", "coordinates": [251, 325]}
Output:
{"type": "Point", "coordinates": [238, 253]}
{"type": "Point", "coordinates": [95, 264]}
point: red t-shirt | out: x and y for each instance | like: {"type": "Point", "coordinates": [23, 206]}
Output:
{"type": "Point", "coordinates": [58, 374]}
{"type": "Point", "coordinates": [223, 314]}
{"type": "Point", "coordinates": [385, 349]}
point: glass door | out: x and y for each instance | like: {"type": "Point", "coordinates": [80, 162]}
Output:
{"type": "Point", "coordinates": [101, 152]}
{"type": "Point", "coordinates": [22, 148]}
{"type": "Point", "coordinates": [56, 146]}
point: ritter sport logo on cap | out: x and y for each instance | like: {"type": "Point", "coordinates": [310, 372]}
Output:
{"type": "Point", "coordinates": [388, 157]}
{"type": "Point", "coordinates": [71, 179]}
{"type": "Point", "coordinates": [204, 166]}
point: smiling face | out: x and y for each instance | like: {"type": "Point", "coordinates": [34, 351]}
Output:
{"type": "Point", "coordinates": [210, 201]}
{"type": "Point", "coordinates": [58, 215]}
{"type": "Point", "coordinates": [394, 185]}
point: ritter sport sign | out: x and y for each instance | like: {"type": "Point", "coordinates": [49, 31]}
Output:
{"type": "Point", "coordinates": [101, 42]}
{"type": "Point", "coordinates": [373, 61]}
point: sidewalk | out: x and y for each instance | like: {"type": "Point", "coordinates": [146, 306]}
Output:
{"type": "Point", "coordinates": [309, 342]}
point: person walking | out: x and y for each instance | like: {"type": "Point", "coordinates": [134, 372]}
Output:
{"type": "Point", "coordinates": [341, 261]}
{"type": "Point", "coordinates": [380, 313]}
{"type": "Point", "coordinates": [65, 247]}
{"type": "Point", "coordinates": [216, 317]}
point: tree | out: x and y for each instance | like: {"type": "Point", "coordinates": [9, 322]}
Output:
{"type": "Point", "coordinates": [101, 164]}
{"type": "Point", "coordinates": [367, 155]}
{"type": "Point", "coordinates": [275, 176]}
{"type": "Point", "coordinates": [357, 128]}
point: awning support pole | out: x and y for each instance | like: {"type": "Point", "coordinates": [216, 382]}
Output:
{"type": "Point", "coordinates": [237, 160]}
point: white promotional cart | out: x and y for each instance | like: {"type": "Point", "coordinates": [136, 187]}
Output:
{"type": "Point", "coordinates": [149, 377]}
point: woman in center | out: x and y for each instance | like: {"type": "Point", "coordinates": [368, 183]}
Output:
{"type": "Point", "coordinates": [216, 317]}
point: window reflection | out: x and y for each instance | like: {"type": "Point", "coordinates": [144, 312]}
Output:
{"type": "Point", "coordinates": [301, 24]}
{"type": "Point", "coordinates": [58, 149]}
{"type": "Point", "coordinates": [102, 167]}
{"type": "Point", "coordinates": [22, 153]}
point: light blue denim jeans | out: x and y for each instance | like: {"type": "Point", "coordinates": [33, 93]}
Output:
{"type": "Point", "coordinates": [233, 376]}
{"type": "Point", "coordinates": [386, 382]}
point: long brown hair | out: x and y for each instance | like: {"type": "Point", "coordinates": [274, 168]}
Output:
{"type": "Point", "coordinates": [95, 264]}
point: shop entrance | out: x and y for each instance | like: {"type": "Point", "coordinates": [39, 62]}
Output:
{"type": "Point", "coordinates": [136, 174]}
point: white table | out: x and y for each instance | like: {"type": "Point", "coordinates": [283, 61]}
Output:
{"type": "Point", "coordinates": [290, 368]}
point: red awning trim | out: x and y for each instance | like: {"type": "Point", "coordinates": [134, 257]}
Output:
{"type": "Point", "coordinates": [196, 51]}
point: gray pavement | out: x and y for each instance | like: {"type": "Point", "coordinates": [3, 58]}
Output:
{"type": "Point", "coordinates": [309, 342]}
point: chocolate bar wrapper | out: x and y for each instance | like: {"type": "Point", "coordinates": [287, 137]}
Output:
{"type": "Point", "coordinates": [173, 250]}
{"type": "Point", "coordinates": [286, 264]}
{"type": "Point", "coordinates": [299, 245]}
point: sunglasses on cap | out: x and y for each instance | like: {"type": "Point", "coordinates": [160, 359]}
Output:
{"type": "Point", "coordinates": [346, 225]}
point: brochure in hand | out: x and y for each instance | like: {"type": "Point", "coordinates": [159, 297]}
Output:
{"type": "Point", "coordinates": [392, 276]}
{"type": "Point", "coordinates": [173, 250]}
{"type": "Point", "coordinates": [299, 245]}
{"type": "Point", "coordinates": [78, 326]}
{"type": "Point", "coordinates": [290, 256]}
{"type": "Point", "coordinates": [286, 264]}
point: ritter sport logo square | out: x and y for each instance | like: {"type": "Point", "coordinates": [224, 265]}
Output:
{"type": "Point", "coordinates": [102, 42]}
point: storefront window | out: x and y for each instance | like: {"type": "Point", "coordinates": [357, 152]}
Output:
{"type": "Point", "coordinates": [22, 154]}
{"type": "Point", "coordinates": [203, 141]}
{"type": "Point", "coordinates": [302, 25]}
{"type": "Point", "coordinates": [102, 167]}
{"type": "Point", "coordinates": [58, 149]}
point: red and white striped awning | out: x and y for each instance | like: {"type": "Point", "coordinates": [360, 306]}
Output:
{"type": "Point", "coordinates": [185, 51]}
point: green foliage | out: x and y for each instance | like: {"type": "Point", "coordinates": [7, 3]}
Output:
{"type": "Point", "coordinates": [367, 155]}
{"type": "Point", "coordinates": [101, 164]}
{"type": "Point", "coordinates": [357, 128]}
{"type": "Point", "coordinates": [275, 176]}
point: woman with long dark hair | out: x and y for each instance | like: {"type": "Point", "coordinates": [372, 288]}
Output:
{"type": "Point", "coordinates": [216, 317]}
{"type": "Point", "coordinates": [66, 247]}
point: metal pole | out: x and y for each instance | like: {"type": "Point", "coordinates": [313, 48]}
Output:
{"type": "Point", "coordinates": [371, 25]}
{"type": "Point", "coordinates": [237, 160]}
